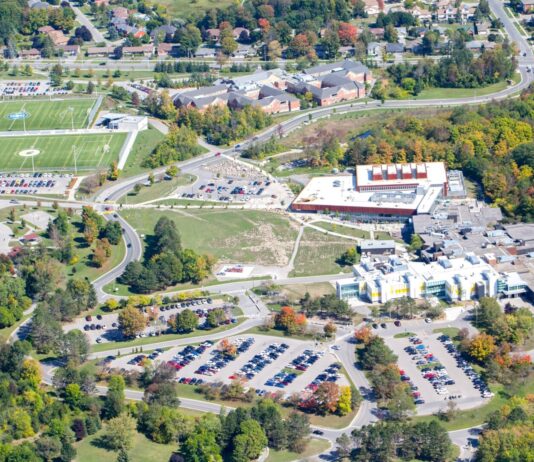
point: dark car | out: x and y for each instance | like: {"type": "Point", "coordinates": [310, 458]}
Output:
{"type": "Point", "coordinates": [318, 432]}
{"type": "Point", "coordinates": [383, 325]}
{"type": "Point", "coordinates": [397, 323]}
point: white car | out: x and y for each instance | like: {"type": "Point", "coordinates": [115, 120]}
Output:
{"type": "Point", "coordinates": [428, 320]}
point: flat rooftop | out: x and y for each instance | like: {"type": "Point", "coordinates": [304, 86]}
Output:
{"type": "Point", "coordinates": [340, 191]}
{"type": "Point", "coordinates": [401, 174]}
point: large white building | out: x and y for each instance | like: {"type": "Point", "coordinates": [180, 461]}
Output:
{"type": "Point", "coordinates": [387, 191]}
{"type": "Point", "coordinates": [458, 279]}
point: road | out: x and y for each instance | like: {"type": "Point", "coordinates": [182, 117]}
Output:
{"type": "Point", "coordinates": [98, 37]}
{"type": "Point", "coordinates": [346, 352]}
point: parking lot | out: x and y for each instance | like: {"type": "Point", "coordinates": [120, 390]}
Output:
{"type": "Point", "coordinates": [29, 88]}
{"type": "Point", "coordinates": [104, 328]}
{"type": "Point", "coordinates": [432, 371]}
{"type": "Point", "coordinates": [261, 362]}
{"type": "Point", "coordinates": [233, 182]}
{"type": "Point", "coordinates": [34, 183]}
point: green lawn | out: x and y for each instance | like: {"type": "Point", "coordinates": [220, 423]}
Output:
{"type": "Point", "coordinates": [346, 230]}
{"type": "Point", "coordinates": [444, 93]}
{"type": "Point", "coordinates": [84, 267]}
{"type": "Point", "coordinates": [184, 8]}
{"type": "Point", "coordinates": [93, 151]}
{"type": "Point", "coordinates": [46, 114]}
{"type": "Point", "coordinates": [315, 446]}
{"type": "Point", "coordinates": [476, 416]}
{"type": "Point", "coordinates": [145, 143]}
{"type": "Point", "coordinates": [158, 190]}
{"type": "Point", "coordinates": [143, 450]}
{"type": "Point", "coordinates": [318, 252]}
{"type": "Point", "coordinates": [237, 236]}
{"type": "Point", "coordinates": [113, 346]}
{"type": "Point", "coordinates": [404, 335]}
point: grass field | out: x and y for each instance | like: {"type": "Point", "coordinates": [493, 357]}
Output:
{"type": "Point", "coordinates": [143, 450]}
{"type": "Point", "coordinates": [237, 236]}
{"type": "Point", "coordinates": [318, 253]}
{"type": "Point", "coordinates": [93, 151]}
{"type": "Point", "coordinates": [44, 114]}
{"type": "Point", "coordinates": [315, 446]}
{"type": "Point", "coordinates": [346, 230]}
{"type": "Point", "coordinates": [145, 143]}
{"type": "Point", "coordinates": [158, 190]}
{"type": "Point", "coordinates": [184, 8]}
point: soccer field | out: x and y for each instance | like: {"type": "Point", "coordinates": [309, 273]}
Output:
{"type": "Point", "coordinates": [93, 151]}
{"type": "Point", "coordinates": [44, 114]}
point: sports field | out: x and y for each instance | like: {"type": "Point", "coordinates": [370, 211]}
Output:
{"type": "Point", "coordinates": [45, 114]}
{"type": "Point", "coordinates": [92, 151]}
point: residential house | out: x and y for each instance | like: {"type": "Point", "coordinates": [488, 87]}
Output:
{"type": "Point", "coordinates": [479, 45]}
{"type": "Point", "coordinates": [40, 6]}
{"type": "Point", "coordinates": [241, 33]}
{"type": "Point", "coordinates": [32, 53]}
{"type": "Point", "coordinates": [205, 52]}
{"type": "Point", "coordinates": [377, 32]}
{"type": "Point", "coordinates": [144, 50]}
{"type": "Point", "coordinates": [421, 14]}
{"type": "Point", "coordinates": [213, 35]}
{"type": "Point", "coordinates": [101, 52]}
{"type": "Point", "coordinates": [526, 6]}
{"type": "Point", "coordinates": [45, 29]}
{"type": "Point", "coordinates": [58, 38]}
{"type": "Point", "coordinates": [120, 12]}
{"type": "Point", "coordinates": [395, 48]}
{"type": "Point", "coordinates": [70, 50]}
{"type": "Point", "coordinates": [245, 51]}
{"type": "Point", "coordinates": [162, 32]}
{"type": "Point", "coordinates": [101, 2]}
{"type": "Point", "coordinates": [374, 50]}
{"type": "Point", "coordinates": [168, 49]}
{"type": "Point", "coordinates": [482, 28]}
{"type": "Point", "coordinates": [30, 239]}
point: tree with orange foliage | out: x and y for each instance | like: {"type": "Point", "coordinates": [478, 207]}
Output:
{"type": "Point", "coordinates": [265, 25]}
{"type": "Point", "coordinates": [327, 397]}
{"type": "Point", "coordinates": [347, 33]}
{"type": "Point", "coordinates": [290, 321]}
{"type": "Point", "coordinates": [227, 347]}
{"type": "Point", "coordinates": [363, 335]}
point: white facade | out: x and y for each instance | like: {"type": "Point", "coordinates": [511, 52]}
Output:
{"type": "Point", "coordinates": [458, 279]}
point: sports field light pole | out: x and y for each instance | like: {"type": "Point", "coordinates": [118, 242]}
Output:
{"type": "Point", "coordinates": [71, 109]}
{"type": "Point", "coordinates": [75, 151]}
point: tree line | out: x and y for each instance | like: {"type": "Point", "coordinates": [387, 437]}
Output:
{"type": "Point", "coordinates": [165, 263]}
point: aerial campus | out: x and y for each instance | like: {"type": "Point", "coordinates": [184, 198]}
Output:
{"type": "Point", "coordinates": [266, 231]}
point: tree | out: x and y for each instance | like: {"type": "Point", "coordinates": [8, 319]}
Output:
{"type": "Point", "coordinates": [48, 447]}
{"type": "Point", "coordinates": [74, 346]}
{"type": "Point", "coordinates": [363, 335]}
{"type": "Point", "coordinates": [349, 257]}
{"type": "Point", "coordinates": [330, 329]}
{"type": "Point", "coordinates": [249, 443]}
{"type": "Point", "coordinates": [136, 101]}
{"type": "Point", "coordinates": [481, 347]}
{"type": "Point", "coordinates": [112, 232]}
{"type": "Point", "coordinates": [186, 321]}
{"type": "Point", "coordinates": [344, 405]}
{"type": "Point", "coordinates": [201, 446]}
{"type": "Point", "coordinates": [131, 321]}
{"type": "Point", "coordinates": [114, 402]}
{"type": "Point", "coordinates": [326, 396]}
{"type": "Point", "coordinates": [90, 88]}
{"type": "Point", "coordinates": [119, 433]}
{"type": "Point", "coordinates": [390, 34]}
{"type": "Point", "coordinates": [416, 243]}
{"type": "Point", "coordinates": [189, 38]}
{"type": "Point", "coordinates": [172, 171]}
{"type": "Point", "coordinates": [376, 352]}
{"type": "Point", "coordinates": [298, 429]}
{"type": "Point", "coordinates": [347, 33]}
{"type": "Point", "coordinates": [122, 456]}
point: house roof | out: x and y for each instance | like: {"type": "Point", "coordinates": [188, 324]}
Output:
{"type": "Point", "coordinates": [347, 65]}
{"type": "Point", "coordinates": [394, 48]}
{"type": "Point", "coordinates": [166, 29]}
